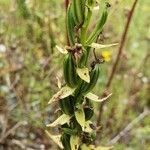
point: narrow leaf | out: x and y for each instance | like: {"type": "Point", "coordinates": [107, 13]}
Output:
{"type": "Point", "coordinates": [92, 147]}
{"type": "Point", "coordinates": [64, 92]}
{"type": "Point", "coordinates": [55, 138]}
{"type": "Point", "coordinates": [103, 148]}
{"type": "Point", "coordinates": [86, 147]}
{"type": "Point", "coordinates": [87, 127]}
{"type": "Point", "coordinates": [60, 121]}
{"type": "Point", "coordinates": [95, 98]}
{"type": "Point", "coordinates": [83, 73]}
{"type": "Point", "coordinates": [99, 46]}
{"type": "Point", "coordinates": [80, 117]}
{"type": "Point", "coordinates": [74, 142]}
{"type": "Point", "coordinates": [63, 51]}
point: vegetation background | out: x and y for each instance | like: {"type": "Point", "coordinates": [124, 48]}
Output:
{"type": "Point", "coordinates": [30, 63]}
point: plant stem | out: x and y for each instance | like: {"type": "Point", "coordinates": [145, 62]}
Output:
{"type": "Point", "coordinates": [66, 4]}
{"type": "Point", "coordinates": [120, 50]}
{"type": "Point", "coordinates": [66, 7]}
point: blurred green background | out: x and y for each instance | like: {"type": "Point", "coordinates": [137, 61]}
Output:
{"type": "Point", "coordinates": [30, 63]}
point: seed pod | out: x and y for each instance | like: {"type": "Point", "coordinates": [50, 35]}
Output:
{"type": "Point", "coordinates": [98, 28]}
{"type": "Point", "coordinates": [70, 71]}
{"type": "Point", "coordinates": [89, 112]}
{"type": "Point", "coordinates": [66, 141]}
{"type": "Point", "coordinates": [69, 131]}
{"type": "Point", "coordinates": [82, 61]}
{"type": "Point", "coordinates": [78, 11]}
{"type": "Point", "coordinates": [70, 25]}
{"type": "Point", "coordinates": [66, 105]}
{"type": "Point", "coordinates": [87, 87]}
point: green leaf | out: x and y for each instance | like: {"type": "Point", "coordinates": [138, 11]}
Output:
{"type": "Point", "coordinates": [87, 127]}
{"type": "Point", "coordinates": [99, 46]}
{"type": "Point", "coordinates": [74, 142]}
{"type": "Point", "coordinates": [64, 92]}
{"type": "Point", "coordinates": [83, 73]}
{"type": "Point", "coordinates": [69, 131]}
{"type": "Point", "coordinates": [92, 147]}
{"type": "Point", "coordinates": [60, 121]}
{"type": "Point", "coordinates": [80, 117]}
{"type": "Point", "coordinates": [55, 138]}
{"type": "Point", "coordinates": [96, 98]}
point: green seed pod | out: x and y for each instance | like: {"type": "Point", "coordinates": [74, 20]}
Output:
{"type": "Point", "coordinates": [87, 87]}
{"type": "Point", "coordinates": [70, 25]}
{"type": "Point", "coordinates": [89, 112]}
{"type": "Point", "coordinates": [66, 105]}
{"type": "Point", "coordinates": [98, 28]}
{"type": "Point", "coordinates": [69, 131]}
{"type": "Point", "coordinates": [78, 11]}
{"type": "Point", "coordinates": [70, 71]}
{"type": "Point", "coordinates": [82, 61]}
{"type": "Point", "coordinates": [66, 141]}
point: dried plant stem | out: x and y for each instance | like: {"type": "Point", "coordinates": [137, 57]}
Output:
{"type": "Point", "coordinates": [66, 4]}
{"type": "Point", "coordinates": [66, 7]}
{"type": "Point", "coordinates": [129, 126]}
{"type": "Point", "coordinates": [120, 49]}
{"type": "Point", "coordinates": [122, 43]}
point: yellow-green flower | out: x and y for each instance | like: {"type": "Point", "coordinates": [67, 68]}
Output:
{"type": "Point", "coordinates": [106, 55]}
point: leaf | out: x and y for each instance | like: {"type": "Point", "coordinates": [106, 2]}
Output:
{"type": "Point", "coordinates": [64, 92]}
{"type": "Point", "coordinates": [87, 147]}
{"type": "Point", "coordinates": [95, 98]}
{"type": "Point", "coordinates": [80, 117]}
{"type": "Point", "coordinates": [55, 138]}
{"type": "Point", "coordinates": [103, 148]}
{"type": "Point", "coordinates": [96, 8]}
{"type": "Point", "coordinates": [99, 46]}
{"type": "Point", "coordinates": [92, 147]}
{"type": "Point", "coordinates": [74, 142]}
{"type": "Point", "coordinates": [83, 73]}
{"type": "Point", "coordinates": [60, 121]}
{"type": "Point", "coordinates": [63, 51]}
{"type": "Point", "coordinates": [87, 127]}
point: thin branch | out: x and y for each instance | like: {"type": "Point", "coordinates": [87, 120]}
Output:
{"type": "Point", "coordinates": [120, 50]}
{"type": "Point", "coordinates": [129, 126]}
{"type": "Point", "coordinates": [122, 43]}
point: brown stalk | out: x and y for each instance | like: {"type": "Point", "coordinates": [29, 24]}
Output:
{"type": "Point", "coordinates": [66, 4]}
{"type": "Point", "coordinates": [120, 50]}
{"type": "Point", "coordinates": [66, 7]}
